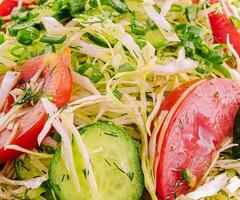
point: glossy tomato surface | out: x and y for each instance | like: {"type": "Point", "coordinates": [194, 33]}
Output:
{"type": "Point", "coordinates": [194, 133]}
{"type": "Point", "coordinates": [222, 27]}
{"type": "Point", "coordinates": [57, 85]}
{"type": "Point", "coordinates": [6, 7]}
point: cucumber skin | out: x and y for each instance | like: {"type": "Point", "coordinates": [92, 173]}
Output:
{"type": "Point", "coordinates": [57, 159]}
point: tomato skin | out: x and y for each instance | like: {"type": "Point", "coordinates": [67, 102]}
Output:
{"type": "Point", "coordinates": [8, 104]}
{"type": "Point", "coordinates": [221, 27]}
{"type": "Point", "coordinates": [58, 84]}
{"type": "Point", "coordinates": [206, 117]}
{"type": "Point", "coordinates": [6, 7]}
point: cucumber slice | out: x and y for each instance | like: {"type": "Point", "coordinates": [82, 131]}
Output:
{"type": "Point", "coordinates": [155, 38]}
{"type": "Point", "coordinates": [100, 41]}
{"type": "Point", "coordinates": [26, 170]}
{"type": "Point", "coordinates": [115, 163]}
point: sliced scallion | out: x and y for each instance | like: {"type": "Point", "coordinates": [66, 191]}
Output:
{"type": "Point", "coordinates": [53, 39]}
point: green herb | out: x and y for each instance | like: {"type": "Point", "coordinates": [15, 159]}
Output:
{"type": "Point", "coordinates": [113, 134]}
{"type": "Point", "coordinates": [28, 35]}
{"type": "Point", "coordinates": [18, 51]}
{"type": "Point", "coordinates": [141, 42]}
{"type": "Point", "coordinates": [186, 175]}
{"type": "Point", "coordinates": [130, 175]}
{"type": "Point", "coordinates": [1, 22]}
{"type": "Point", "coordinates": [235, 21]}
{"type": "Point", "coordinates": [117, 94]}
{"type": "Point", "coordinates": [117, 5]}
{"type": "Point", "coordinates": [152, 24]}
{"type": "Point", "coordinates": [16, 12]}
{"type": "Point", "coordinates": [139, 28]}
{"type": "Point", "coordinates": [107, 162]}
{"type": "Point", "coordinates": [57, 137]}
{"type": "Point", "coordinates": [91, 71]}
{"type": "Point", "coordinates": [216, 94]}
{"type": "Point", "coordinates": [53, 39]}
{"type": "Point", "coordinates": [126, 67]}
{"type": "Point", "coordinates": [191, 12]}
{"type": "Point", "coordinates": [85, 172]}
{"type": "Point", "coordinates": [50, 48]}
{"type": "Point", "coordinates": [2, 38]}
{"type": "Point", "coordinates": [28, 97]}
{"type": "Point", "coordinates": [176, 8]}
{"type": "Point", "coordinates": [93, 3]}
{"type": "Point", "coordinates": [21, 165]}
{"type": "Point", "coordinates": [40, 2]}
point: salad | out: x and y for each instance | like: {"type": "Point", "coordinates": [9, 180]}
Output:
{"type": "Point", "coordinates": [119, 99]}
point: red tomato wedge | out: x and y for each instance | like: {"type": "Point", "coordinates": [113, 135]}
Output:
{"type": "Point", "coordinates": [193, 132]}
{"type": "Point", "coordinates": [8, 104]}
{"type": "Point", "coordinates": [221, 27]}
{"type": "Point", "coordinates": [57, 84]}
{"type": "Point", "coordinates": [6, 7]}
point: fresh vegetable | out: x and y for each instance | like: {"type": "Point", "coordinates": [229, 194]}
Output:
{"type": "Point", "coordinates": [6, 7]}
{"type": "Point", "coordinates": [114, 160]}
{"type": "Point", "coordinates": [57, 85]}
{"type": "Point", "coordinates": [223, 28]}
{"type": "Point", "coordinates": [236, 135]}
{"type": "Point", "coordinates": [203, 116]}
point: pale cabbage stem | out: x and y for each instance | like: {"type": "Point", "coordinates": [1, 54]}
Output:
{"type": "Point", "coordinates": [234, 52]}
{"type": "Point", "coordinates": [225, 146]}
{"type": "Point", "coordinates": [29, 183]}
{"type": "Point", "coordinates": [12, 135]}
{"type": "Point", "coordinates": [82, 148]}
{"type": "Point", "coordinates": [23, 150]}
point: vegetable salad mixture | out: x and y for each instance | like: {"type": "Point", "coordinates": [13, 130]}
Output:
{"type": "Point", "coordinates": [119, 99]}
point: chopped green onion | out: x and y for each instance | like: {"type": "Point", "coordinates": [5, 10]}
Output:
{"type": "Point", "coordinates": [151, 24]}
{"type": "Point", "coordinates": [50, 48]}
{"type": "Point", "coordinates": [2, 39]}
{"type": "Point", "coordinates": [1, 22]}
{"type": "Point", "coordinates": [76, 6]}
{"type": "Point", "coordinates": [224, 71]}
{"type": "Point", "coordinates": [117, 5]}
{"type": "Point", "coordinates": [117, 94]}
{"type": "Point", "coordinates": [186, 175]}
{"type": "Point", "coordinates": [24, 16]}
{"type": "Point", "coordinates": [191, 12]}
{"type": "Point", "coordinates": [84, 67]}
{"type": "Point", "coordinates": [141, 42]}
{"type": "Point", "coordinates": [18, 51]}
{"type": "Point", "coordinates": [53, 39]}
{"type": "Point", "coordinates": [28, 35]}
{"type": "Point", "coordinates": [126, 67]}
{"type": "Point", "coordinates": [93, 3]}
{"type": "Point", "coordinates": [40, 2]}
{"type": "Point", "coordinates": [176, 8]}
{"type": "Point", "coordinates": [15, 12]}
{"type": "Point", "coordinates": [235, 21]}
{"type": "Point", "coordinates": [220, 47]}
{"type": "Point", "coordinates": [138, 28]}
{"type": "Point", "coordinates": [91, 71]}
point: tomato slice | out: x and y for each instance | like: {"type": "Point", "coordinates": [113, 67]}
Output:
{"type": "Point", "coordinates": [195, 131]}
{"type": "Point", "coordinates": [221, 27]}
{"type": "Point", "coordinates": [57, 84]}
{"type": "Point", "coordinates": [8, 104]}
{"type": "Point", "coordinates": [6, 7]}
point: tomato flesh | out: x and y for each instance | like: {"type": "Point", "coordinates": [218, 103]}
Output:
{"type": "Point", "coordinates": [195, 132]}
{"type": "Point", "coordinates": [6, 7]}
{"type": "Point", "coordinates": [221, 27]}
{"type": "Point", "coordinates": [57, 85]}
